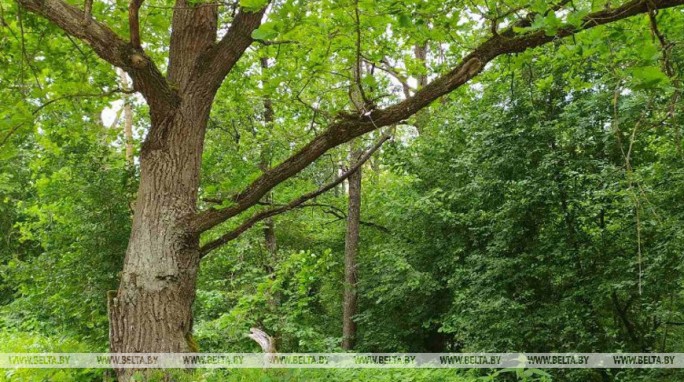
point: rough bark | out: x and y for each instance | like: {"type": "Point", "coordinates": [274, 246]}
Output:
{"type": "Point", "coordinates": [351, 251]}
{"type": "Point", "coordinates": [152, 308]}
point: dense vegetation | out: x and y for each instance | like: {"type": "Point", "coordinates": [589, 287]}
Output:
{"type": "Point", "coordinates": [537, 209]}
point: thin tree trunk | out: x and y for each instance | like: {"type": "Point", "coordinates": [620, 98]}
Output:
{"type": "Point", "coordinates": [351, 241]}
{"type": "Point", "coordinates": [351, 250]}
{"type": "Point", "coordinates": [420, 52]}
{"type": "Point", "coordinates": [423, 116]}
{"type": "Point", "coordinates": [128, 117]}
{"type": "Point", "coordinates": [270, 239]}
{"type": "Point", "coordinates": [264, 164]}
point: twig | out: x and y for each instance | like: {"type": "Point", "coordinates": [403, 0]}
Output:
{"type": "Point", "coordinates": [276, 42]}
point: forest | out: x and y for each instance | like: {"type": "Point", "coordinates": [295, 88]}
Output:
{"type": "Point", "coordinates": [342, 176]}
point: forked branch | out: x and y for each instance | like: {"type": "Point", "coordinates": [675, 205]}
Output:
{"type": "Point", "coordinates": [220, 59]}
{"type": "Point", "coordinates": [147, 78]}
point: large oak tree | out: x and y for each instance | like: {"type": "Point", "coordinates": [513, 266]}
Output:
{"type": "Point", "coordinates": [151, 311]}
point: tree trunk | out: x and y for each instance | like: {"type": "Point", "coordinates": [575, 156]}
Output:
{"type": "Point", "coordinates": [351, 251]}
{"type": "Point", "coordinates": [128, 117]}
{"type": "Point", "coordinates": [151, 312]}
{"type": "Point", "coordinates": [152, 309]}
{"type": "Point", "coordinates": [264, 165]}
{"type": "Point", "coordinates": [423, 116]}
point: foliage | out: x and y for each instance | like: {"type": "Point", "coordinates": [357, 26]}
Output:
{"type": "Point", "coordinates": [31, 342]}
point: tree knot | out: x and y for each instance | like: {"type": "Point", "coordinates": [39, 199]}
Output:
{"type": "Point", "coordinates": [138, 61]}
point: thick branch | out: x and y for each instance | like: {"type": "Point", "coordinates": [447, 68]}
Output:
{"type": "Point", "coordinates": [348, 127]}
{"type": "Point", "coordinates": [100, 37]}
{"type": "Point", "coordinates": [218, 61]}
{"type": "Point", "coordinates": [194, 27]}
{"type": "Point", "coordinates": [109, 46]}
{"type": "Point", "coordinates": [247, 224]}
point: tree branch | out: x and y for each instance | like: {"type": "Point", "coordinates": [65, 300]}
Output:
{"type": "Point", "coordinates": [106, 43]}
{"type": "Point", "coordinates": [218, 61]}
{"type": "Point", "coordinates": [147, 78]}
{"type": "Point", "coordinates": [259, 216]}
{"type": "Point", "coordinates": [340, 214]}
{"type": "Point", "coordinates": [194, 27]}
{"type": "Point", "coordinates": [87, 11]}
{"type": "Point", "coordinates": [134, 22]}
{"type": "Point", "coordinates": [350, 126]}
{"type": "Point", "coordinates": [403, 80]}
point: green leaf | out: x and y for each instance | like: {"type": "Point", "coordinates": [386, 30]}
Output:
{"type": "Point", "coordinates": [539, 6]}
{"type": "Point", "coordinates": [576, 19]}
{"type": "Point", "coordinates": [648, 77]}
{"type": "Point", "coordinates": [265, 32]}
{"type": "Point", "coordinates": [253, 5]}
{"type": "Point", "coordinates": [405, 20]}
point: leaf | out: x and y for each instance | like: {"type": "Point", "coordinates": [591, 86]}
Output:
{"type": "Point", "coordinates": [549, 23]}
{"type": "Point", "coordinates": [265, 32]}
{"type": "Point", "coordinates": [405, 20]}
{"type": "Point", "coordinates": [253, 5]}
{"type": "Point", "coordinates": [576, 19]}
{"type": "Point", "coordinates": [648, 77]}
{"type": "Point", "coordinates": [539, 6]}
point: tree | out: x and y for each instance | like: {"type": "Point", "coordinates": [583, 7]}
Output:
{"type": "Point", "coordinates": [351, 250]}
{"type": "Point", "coordinates": [151, 311]}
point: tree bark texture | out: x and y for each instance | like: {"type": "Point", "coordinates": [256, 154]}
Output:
{"type": "Point", "coordinates": [152, 310]}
